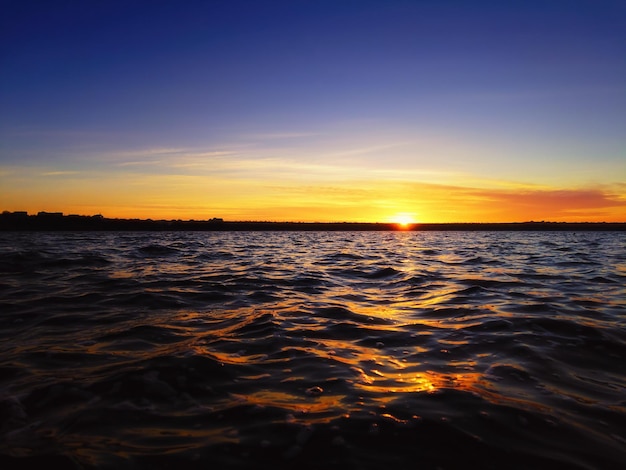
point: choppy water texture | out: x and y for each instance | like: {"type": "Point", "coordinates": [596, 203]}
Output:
{"type": "Point", "coordinates": [313, 350]}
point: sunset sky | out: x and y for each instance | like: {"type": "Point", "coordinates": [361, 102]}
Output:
{"type": "Point", "coordinates": [315, 110]}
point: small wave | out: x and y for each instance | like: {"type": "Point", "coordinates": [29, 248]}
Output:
{"type": "Point", "coordinates": [508, 373]}
{"type": "Point", "coordinates": [86, 261]}
{"type": "Point", "coordinates": [382, 273]}
{"type": "Point", "coordinates": [335, 313]}
{"type": "Point", "coordinates": [157, 250]}
{"type": "Point", "coordinates": [346, 256]}
{"type": "Point", "coordinates": [603, 280]}
{"type": "Point", "coordinates": [492, 283]}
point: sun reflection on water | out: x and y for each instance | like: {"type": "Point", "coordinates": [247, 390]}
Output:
{"type": "Point", "coordinates": [417, 382]}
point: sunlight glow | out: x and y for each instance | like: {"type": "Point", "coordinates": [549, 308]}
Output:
{"type": "Point", "coordinates": [404, 220]}
{"type": "Point", "coordinates": [188, 193]}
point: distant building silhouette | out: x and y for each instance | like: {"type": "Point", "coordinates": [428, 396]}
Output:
{"type": "Point", "coordinates": [15, 214]}
{"type": "Point", "coordinates": [49, 214]}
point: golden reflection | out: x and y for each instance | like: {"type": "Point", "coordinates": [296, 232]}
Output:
{"type": "Point", "coordinates": [121, 274]}
{"type": "Point", "coordinates": [375, 371]}
{"type": "Point", "coordinates": [229, 358]}
{"type": "Point", "coordinates": [298, 405]}
{"type": "Point", "coordinates": [416, 382]}
{"type": "Point", "coordinates": [374, 368]}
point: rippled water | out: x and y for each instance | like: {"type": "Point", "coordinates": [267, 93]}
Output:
{"type": "Point", "coordinates": [313, 350]}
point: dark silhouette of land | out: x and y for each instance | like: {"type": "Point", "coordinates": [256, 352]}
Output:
{"type": "Point", "coordinates": [56, 221]}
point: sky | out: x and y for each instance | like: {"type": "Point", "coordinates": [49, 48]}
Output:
{"type": "Point", "coordinates": [315, 110]}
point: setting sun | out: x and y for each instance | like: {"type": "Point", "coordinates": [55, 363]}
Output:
{"type": "Point", "coordinates": [404, 220]}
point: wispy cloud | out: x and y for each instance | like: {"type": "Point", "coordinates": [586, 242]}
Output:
{"type": "Point", "coordinates": [559, 199]}
{"type": "Point", "coordinates": [60, 173]}
{"type": "Point", "coordinates": [355, 151]}
{"type": "Point", "coordinates": [140, 163]}
{"type": "Point", "coordinates": [280, 135]}
{"type": "Point", "coordinates": [538, 204]}
{"type": "Point", "coordinates": [147, 152]}
{"type": "Point", "coordinates": [165, 157]}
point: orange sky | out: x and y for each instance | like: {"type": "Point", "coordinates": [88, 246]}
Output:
{"type": "Point", "coordinates": [273, 191]}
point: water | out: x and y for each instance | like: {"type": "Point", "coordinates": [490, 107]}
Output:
{"type": "Point", "coordinates": [311, 350]}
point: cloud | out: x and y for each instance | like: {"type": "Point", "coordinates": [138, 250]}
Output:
{"type": "Point", "coordinates": [168, 158]}
{"type": "Point", "coordinates": [60, 173]}
{"type": "Point", "coordinates": [559, 199]}
{"type": "Point", "coordinates": [591, 204]}
{"type": "Point", "coordinates": [148, 152]}
{"type": "Point", "coordinates": [280, 135]}
{"type": "Point", "coordinates": [140, 163]}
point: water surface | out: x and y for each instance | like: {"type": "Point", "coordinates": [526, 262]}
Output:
{"type": "Point", "coordinates": [313, 349]}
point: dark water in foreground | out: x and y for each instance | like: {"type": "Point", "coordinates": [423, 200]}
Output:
{"type": "Point", "coordinates": [313, 350]}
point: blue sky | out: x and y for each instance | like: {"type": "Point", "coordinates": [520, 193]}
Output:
{"type": "Point", "coordinates": [330, 96]}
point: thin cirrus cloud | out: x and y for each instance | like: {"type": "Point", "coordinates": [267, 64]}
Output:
{"type": "Point", "coordinates": [60, 173]}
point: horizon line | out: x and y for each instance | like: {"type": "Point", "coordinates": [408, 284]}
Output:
{"type": "Point", "coordinates": [219, 220]}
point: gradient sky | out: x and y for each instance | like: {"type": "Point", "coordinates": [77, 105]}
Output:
{"type": "Point", "coordinates": [447, 111]}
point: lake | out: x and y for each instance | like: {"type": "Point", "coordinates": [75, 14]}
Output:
{"type": "Point", "coordinates": [313, 350]}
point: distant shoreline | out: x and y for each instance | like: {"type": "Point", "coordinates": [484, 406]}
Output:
{"type": "Point", "coordinates": [44, 221]}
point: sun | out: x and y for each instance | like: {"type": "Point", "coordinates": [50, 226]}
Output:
{"type": "Point", "coordinates": [403, 220]}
